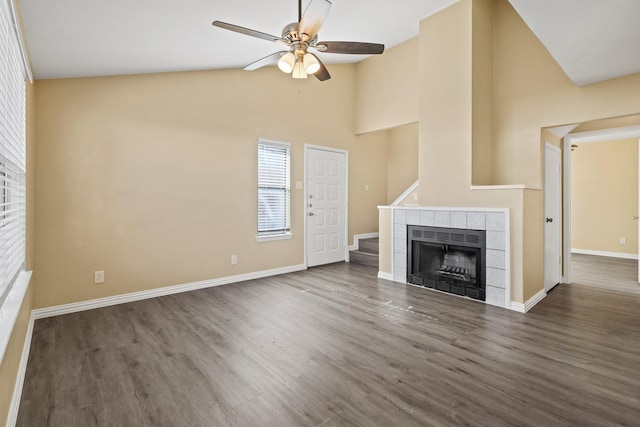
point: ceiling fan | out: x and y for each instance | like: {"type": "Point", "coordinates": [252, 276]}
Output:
{"type": "Point", "coordinates": [301, 36]}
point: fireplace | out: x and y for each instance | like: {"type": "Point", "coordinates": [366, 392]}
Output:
{"type": "Point", "coordinates": [447, 259]}
{"type": "Point", "coordinates": [495, 258]}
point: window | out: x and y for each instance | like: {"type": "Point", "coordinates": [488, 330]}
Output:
{"type": "Point", "coordinates": [274, 191]}
{"type": "Point", "coordinates": [4, 195]}
{"type": "Point", "coordinates": [12, 155]}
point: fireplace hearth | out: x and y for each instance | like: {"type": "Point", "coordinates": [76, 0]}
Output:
{"type": "Point", "coordinates": [447, 259]}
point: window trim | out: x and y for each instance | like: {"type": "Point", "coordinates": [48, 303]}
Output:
{"type": "Point", "coordinates": [15, 280]}
{"type": "Point", "coordinates": [283, 236]}
{"type": "Point", "coordinates": [4, 194]}
{"type": "Point", "coordinates": [279, 235]}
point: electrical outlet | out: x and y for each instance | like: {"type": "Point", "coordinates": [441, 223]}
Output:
{"type": "Point", "coordinates": [234, 259]}
{"type": "Point", "coordinates": [98, 277]}
{"type": "Point", "coordinates": [366, 187]}
{"type": "Point", "coordinates": [623, 240]}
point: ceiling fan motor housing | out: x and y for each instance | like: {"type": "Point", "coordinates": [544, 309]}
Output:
{"type": "Point", "coordinates": [291, 35]}
{"type": "Point", "coordinates": [290, 32]}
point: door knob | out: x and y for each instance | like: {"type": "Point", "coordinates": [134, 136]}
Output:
{"type": "Point", "coordinates": [310, 213]}
{"type": "Point", "coordinates": [549, 219]}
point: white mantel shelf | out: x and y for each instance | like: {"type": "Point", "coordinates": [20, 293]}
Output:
{"type": "Point", "coordinates": [431, 208]}
{"type": "Point", "coordinates": [506, 187]}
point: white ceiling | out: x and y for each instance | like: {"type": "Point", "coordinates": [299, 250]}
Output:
{"type": "Point", "coordinates": [592, 40]}
{"type": "Point", "coordinates": [77, 38]}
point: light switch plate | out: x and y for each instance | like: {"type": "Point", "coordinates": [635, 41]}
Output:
{"type": "Point", "coordinates": [98, 277]}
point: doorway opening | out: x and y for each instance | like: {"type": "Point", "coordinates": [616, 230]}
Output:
{"type": "Point", "coordinates": [601, 208]}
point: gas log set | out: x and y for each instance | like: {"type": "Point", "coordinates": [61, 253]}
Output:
{"type": "Point", "coordinates": [446, 259]}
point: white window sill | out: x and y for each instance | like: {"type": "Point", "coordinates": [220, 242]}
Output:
{"type": "Point", "coordinates": [11, 308]}
{"type": "Point", "coordinates": [284, 236]}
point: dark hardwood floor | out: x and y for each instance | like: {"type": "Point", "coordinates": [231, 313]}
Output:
{"type": "Point", "coordinates": [336, 346]}
{"type": "Point", "coordinates": [605, 272]}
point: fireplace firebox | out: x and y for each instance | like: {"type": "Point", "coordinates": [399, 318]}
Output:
{"type": "Point", "coordinates": [447, 259]}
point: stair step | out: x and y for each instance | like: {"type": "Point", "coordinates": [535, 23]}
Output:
{"type": "Point", "coordinates": [363, 258]}
{"type": "Point", "coordinates": [369, 245]}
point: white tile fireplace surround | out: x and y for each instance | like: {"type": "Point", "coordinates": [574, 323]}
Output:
{"type": "Point", "coordinates": [494, 221]}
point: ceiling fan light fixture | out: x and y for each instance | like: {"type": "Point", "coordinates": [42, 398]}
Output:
{"type": "Point", "coordinates": [311, 64]}
{"type": "Point", "coordinates": [298, 37]}
{"type": "Point", "coordinates": [286, 62]}
{"type": "Point", "coordinates": [299, 71]}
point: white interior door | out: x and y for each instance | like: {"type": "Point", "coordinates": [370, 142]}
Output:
{"type": "Point", "coordinates": [326, 206]}
{"type": "Point", "coordinates": [553, 217]}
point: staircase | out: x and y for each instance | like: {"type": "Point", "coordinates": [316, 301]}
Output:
{"type": "Point", "coordinates": [367, 253]}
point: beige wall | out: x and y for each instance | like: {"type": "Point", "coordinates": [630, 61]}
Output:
{"type": "Point", "coordinates": [533, 92]}
{"type": "Point", "coordinates": [368, 178]}
{"type": "Point", "coordinates": [386, 89]}
{"type": "Point", "coordinates": [446, 129]}
{"type": "Point", "coordinates": [604, 196]}
{"type": "Point", "coordinates": [610, 123]}
{"type": "Point", "coordinates": [385, 255]}
{"type": "Point", "coordinates": [532, 241]}
{"type": "Point", "coordinates": [530, 92]}
{"type": "Point", "coordinates": [152, 178]}
{"type": "Point", "coordinates": [445, 108]}
{"type": "Point", "coordinates": [393, 163]}
{"type": "Point", "coordinates": [10, 363]}
{"type": "Point", "coordinates": [402, 160]}
{"type": "Point", "coordinates": [482, 92]}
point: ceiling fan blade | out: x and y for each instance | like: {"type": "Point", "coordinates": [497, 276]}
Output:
{"type": "Point", "coordinates": [354, 48]}
{"type": "Point", "coordinates": [313, 18]}
{"type": "Point", "coordinates": [267, 60]}
{"type": "Point", "coordinates": [322, 74]}
{"type": "Point", "coordinates": [247, 31]}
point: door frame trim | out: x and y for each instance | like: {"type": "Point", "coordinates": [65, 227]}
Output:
{"type": "Point", "coordinates": [308, 147]}
{"type": "Point", "coordinates": [626, 132]}
{"type": "Point", "coordinates": [544, 208]}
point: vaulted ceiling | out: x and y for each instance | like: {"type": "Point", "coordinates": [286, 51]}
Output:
{"type": "Point", "coordinates": [592, 40]}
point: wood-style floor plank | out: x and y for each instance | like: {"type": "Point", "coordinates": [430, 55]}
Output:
{"type": "Point", "coordinates": [333, 346]}
{"type": "Point", "coordinates": [617, 274]}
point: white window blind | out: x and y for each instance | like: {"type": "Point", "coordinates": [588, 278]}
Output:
{"type": "Point", "coordinates": [274, 192]}
{"type": "Point", "coordinates": [12, 155]}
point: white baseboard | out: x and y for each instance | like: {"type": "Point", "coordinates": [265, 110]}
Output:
{"type": "Point", "coordinates": [121, 299]}
{"type": "Point", "coordinates": [385, 276]}
{"type": "Point", "coordinates": [75, 307]}
{"type": "Point", "coordinates": [358, 237]}
{"type": "Point", "coordinates": [529, 304]}
{"type": "Point", "coordinates": [12, 418]}
{"type": "Point", "coordinates": [604, 253]}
